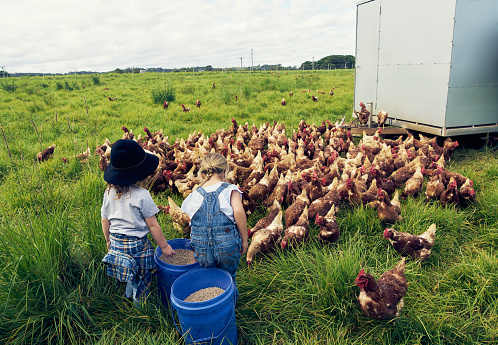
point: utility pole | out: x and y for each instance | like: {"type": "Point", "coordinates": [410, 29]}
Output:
{"type": "Point", "coordinates": [241, 64]}
{"type": "Point", "coordinates": [252, 61]}
{"type": "Point", "coordinates": [345, 65]}
{"type": "Point", "coordinates": [313, 64]}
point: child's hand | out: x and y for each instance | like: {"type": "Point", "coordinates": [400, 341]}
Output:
{"type": "Point", "coordinates": [168, 251]}
{"type": "Point", "coordinates": [244, 247]}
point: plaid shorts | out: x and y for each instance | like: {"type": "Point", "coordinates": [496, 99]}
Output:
{"type": "Point", "coordinates": [130, 259]}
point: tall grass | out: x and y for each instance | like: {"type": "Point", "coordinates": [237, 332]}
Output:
{"type": "Point", "coordinates": [54, 289]}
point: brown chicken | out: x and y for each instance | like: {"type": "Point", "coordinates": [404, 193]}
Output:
{"type": "Point", "coordinates": [363, 114]}
{"type": "Point", "coordinates": [413, 185]}
{"type": "Point", "coordinates": [316, 190]}
{"type": "Point", "coordinates": [467, 193]}
{"type": "Point", "coordinates": [322, 205]}
{"type": "Point", "coordinates": [278, 194]}
{"type": "Point", "coordinates": [294, 211]}
{"type": "Point", "coordinates": [450, 194]}
{"type": "Point", "coordinates": [382, 118]}
{"type": "Point", "coordinates": [266, 239]}
{"type": "Point", "coordinates": [297, 233]}
{"type": "Point", "coordinates": [382, 299]}
{"type": "Point", "coordinates": [260, 190]}
{"type": "Point", "coordinates": [45, 154]}
{"type": "Point", "coordinates": [371, 193]}
{"type": "Point", "coordinates": [389, 211]}
{"type": "Point", "coordinates": [435, 186]}
{"type": "Point", "coordinates": [179, 217]}
{"type": "Point", "coordinates": [266, 221]}
{"type": "Point", "coordinates": [417, 247]}
{"type": "Point", "coordinates": [329, 230]}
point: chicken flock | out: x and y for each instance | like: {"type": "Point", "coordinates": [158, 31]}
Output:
{"type": "Point", "coordinates": [308, 176]}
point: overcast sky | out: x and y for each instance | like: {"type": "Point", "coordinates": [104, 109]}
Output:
{"type": "Point", "coordinates": [60, 36]}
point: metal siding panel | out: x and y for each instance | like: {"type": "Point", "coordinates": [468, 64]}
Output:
{"type": "Point", "coordinates": [472, 106]}
{"type": "Point", "coordinates": [475, 47]}
{"type": "Point", "coordinates": [473, 87]}
{"type": "Point", "coordinates": [414, 93]}
{"type": "Point", "coordinates": [367, 38]}
{"type": "Point", "coordinates": [416, 32]}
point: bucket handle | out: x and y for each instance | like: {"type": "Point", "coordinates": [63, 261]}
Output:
{"type": "Point", "coordinates": [203, 339]}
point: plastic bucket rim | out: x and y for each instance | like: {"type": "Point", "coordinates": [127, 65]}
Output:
{"type": "Point", "coordinates": [204, 305]}
{"type": "Point", "coordinates": [169, 266]}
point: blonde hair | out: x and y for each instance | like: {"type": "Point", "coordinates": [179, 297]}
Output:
{"type": "Point", "coordinates": [212, 163]}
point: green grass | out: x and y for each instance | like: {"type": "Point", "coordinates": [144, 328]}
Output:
{"type": "Point", "coordinates": [54, 288]}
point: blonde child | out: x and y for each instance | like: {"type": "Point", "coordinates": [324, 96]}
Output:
{"type": "Point", "coordinates": [128, 215]}
{"type": "Point", "coordinates": [218, 220]}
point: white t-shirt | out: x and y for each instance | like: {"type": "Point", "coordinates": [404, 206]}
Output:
{"type": "Point", "coordinates": [194, 200]}
{"type": "Point", "coordinates": [127, 214]}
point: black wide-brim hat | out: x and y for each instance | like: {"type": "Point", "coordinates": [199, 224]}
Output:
{"type": "Point", "coordinates": [129, 163]}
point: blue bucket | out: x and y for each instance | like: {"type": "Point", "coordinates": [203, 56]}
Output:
{"type": "Point", "coordinates": [166, 273]}
{"type": "Point", "coordinates": [207, 322]}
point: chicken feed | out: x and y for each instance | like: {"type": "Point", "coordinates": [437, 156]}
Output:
{"type": "Point", "coordinates": [204, 294]}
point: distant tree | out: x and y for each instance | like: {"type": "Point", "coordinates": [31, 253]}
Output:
{"type": "Point", "coordinates": [209, 68]}
{"type": "Point", "coordinates": [331, 61]}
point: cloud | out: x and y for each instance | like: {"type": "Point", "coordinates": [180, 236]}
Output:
{"type": "Point", "coordinates": [61, 36]}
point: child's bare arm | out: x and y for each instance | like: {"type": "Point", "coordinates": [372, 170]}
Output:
{"type": "Point", "coordinates": [157, 234]}
{"type": "Point", "coordinates": [106, 225]}
{"type": "Point", "coordinates": [240, 218]}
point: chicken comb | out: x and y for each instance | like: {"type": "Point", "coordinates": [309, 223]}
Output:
{"type": "Point", "coordinates": [362, 272]}
{"type": "Point", "coordinates": [386, 233]}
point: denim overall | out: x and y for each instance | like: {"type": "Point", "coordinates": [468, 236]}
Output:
{"type": "Point", "coordinates": [214, 237]}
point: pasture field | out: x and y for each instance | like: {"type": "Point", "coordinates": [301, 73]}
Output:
{"type": "Point", "coordinates": [54, 288]}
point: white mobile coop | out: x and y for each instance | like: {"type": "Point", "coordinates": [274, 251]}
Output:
{"type": "Point", "coordinates": [431, 64]}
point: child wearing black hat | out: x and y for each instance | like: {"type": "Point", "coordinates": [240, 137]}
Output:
{"type": "Point", "coordinates": [128, 215]}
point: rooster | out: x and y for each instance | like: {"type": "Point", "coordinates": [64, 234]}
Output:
{"type": "Point", "coordinates": [314, 98]}
{"type": "Point", "coordinates": [283, 101]}
{"type": "Point", "coordinates": [112, 99]}
{"type": "Point", "coordinates": [266, 239]}
{"type": "Point", "coordinates": [417, 247]}
{"type": "Point", "coordinates": [165, 105]}
{"type": "Point", "coordinates": [185, 109]}
{"type": "Point", "coordinates": [198, 104]}
{"type": "Point", "coordinates": [382, 299]}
